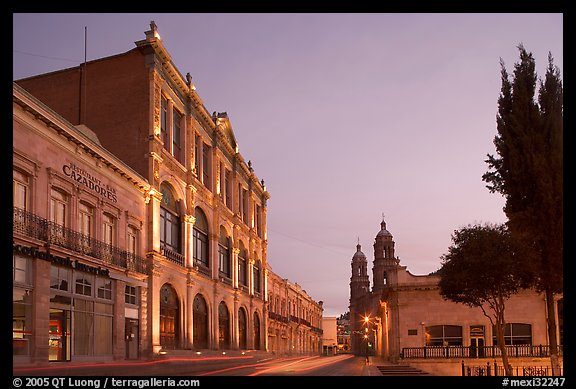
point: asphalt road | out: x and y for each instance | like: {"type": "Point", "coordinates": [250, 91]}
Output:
{"type": "Point", "coordinates": [340, 365]}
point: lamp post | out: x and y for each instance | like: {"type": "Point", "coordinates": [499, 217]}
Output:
{"type": "Point", "coordinates": [367, 322]}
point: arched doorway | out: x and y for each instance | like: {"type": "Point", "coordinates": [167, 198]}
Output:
{"type": "Point", "coordinates": [169, 317]}
{"type": "Point", "coordinates": [242, 332]}
{"type": "Point", "coordinates": [223, 326]}
{"type": "Point", "coordinates": [256, 332]}
{"type": "Point", "coordinates": [200, 322]}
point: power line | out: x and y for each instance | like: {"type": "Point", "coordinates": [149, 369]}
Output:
{"type": "Point", "coordinates": [47, 57]}
{"type": "Point", "coordinates": [305, 242]}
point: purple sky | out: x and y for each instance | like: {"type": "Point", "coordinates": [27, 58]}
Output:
{"type": "Point", "coordinates": [345, 117]}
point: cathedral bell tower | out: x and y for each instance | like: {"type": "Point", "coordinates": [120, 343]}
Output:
{"type": "Point", "coordinates": [384, 259]}
{"type": "Point", "coordinates": [359, 282]}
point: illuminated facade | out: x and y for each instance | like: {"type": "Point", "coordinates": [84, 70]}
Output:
{"type": "Point", "coordinates": [408, 320]}
{"type": "Point", "coordinates": [294, 318]}
{"type": "Point", "coordinates": [80, 283]}
{"type": "Point", "coordinates": [203, 224]}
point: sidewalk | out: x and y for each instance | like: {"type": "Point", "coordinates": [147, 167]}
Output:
{"type": "Point", "coordinates": [371, 369]}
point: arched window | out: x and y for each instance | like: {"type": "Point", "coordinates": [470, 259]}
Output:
{"type": "Point", "coordinates": [223, 326]}
{"type": "Point", "coordinates": [242, 265]}
{"type": "Point", "coordinates": [169, 220]}
{"type": "Point", "coordinates": [242, 329]}
{"type": "Point", "coordinates": [200, 322]}
{"type": "Point", "coordinates": [200, 238]}
{"type": "Point", "coordinates": [224, 258]}
{"type": "Point", "coordinates": [256, 270]}
{"type": "Point", "coordinates": [256, 331]}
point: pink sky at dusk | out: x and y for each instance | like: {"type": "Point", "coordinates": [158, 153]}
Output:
{"type": "Point", "coordinates": [345, 117]}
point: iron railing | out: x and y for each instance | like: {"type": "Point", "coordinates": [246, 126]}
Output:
{"type": "Point", "coordinates": [34, 226]}
{"type": "Point", "coordinates": [497, 370]}
{"type": "Point", "coordinates": [524, 350]}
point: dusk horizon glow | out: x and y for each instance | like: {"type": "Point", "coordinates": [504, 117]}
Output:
{"type": "Point", "coordinates": [344, 116]}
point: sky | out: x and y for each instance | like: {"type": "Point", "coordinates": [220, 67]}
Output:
{"type": "Point", "coordinates": [346, 116]}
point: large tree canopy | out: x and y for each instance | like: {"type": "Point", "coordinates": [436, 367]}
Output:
{"type": "Point", "coordinates": [483, 268]}
{"type": "Point", "coordinates": [528, 172]}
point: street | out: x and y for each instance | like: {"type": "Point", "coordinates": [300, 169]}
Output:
{"type": "Point", "coordinates": [241, 365]}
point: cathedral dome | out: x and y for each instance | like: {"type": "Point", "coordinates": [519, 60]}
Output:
{"type": "Point", "coordinates": [359, 254]}
{"type": "Point", "coordinates": [383, 231]}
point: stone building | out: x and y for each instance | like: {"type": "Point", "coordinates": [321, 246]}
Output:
{"type": "Point", "coordinates": [204, 233]}
{"type": "Point", "coordinates": [294, 318]}
{"type": "Point", "coordinates": [403, 317]}
{"type": "Point", "coordinates": [80, 279]}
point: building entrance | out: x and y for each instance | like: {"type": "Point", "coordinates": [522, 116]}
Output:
{"type": "Point", "coordinates": [169, 317]}
{"type": "Point", "coordinates": [132, 340]}
{"type": "Point", "coordinates": [476, 341]}
{"type": "Point", "coordinates": [59, 335]}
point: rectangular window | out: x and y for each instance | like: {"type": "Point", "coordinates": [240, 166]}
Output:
{"type": "Point", "coordinates": [104, 288]}
{"type": "Point", "coordinates": [197, 145]}
{"type": "Point", "coordinates": [131, 294]}
{"type": "Point", "coordinates": [21, 321]}
{"type": "Point", "coordinates": [206, 168]}
{"type": "Point", "coordinates": [514, 334]}
{"type": "Point", "coordinates": [60, 278]}
{"type": "Point", "coordinates": [412, 332]}
{"type": "Point", "coordinates": [103, 327]}
{"type": "Point", "coordinates": [85, 224]}
{"type": "Point", "coordinates": [20, 190]}
{"type": "Point", "coordinates": [241, 201]}
{"type": "Point", "coordinates": [228, 188]}
{"type": "Point", "coordinates": [84, 284]}
{"type": "Point", "coordinates": [108, 223]}
{"type": "Point", "coordinates": [176, 135]}
{"type": "Point", "coordinates": [21, 270]}
{"type": "Point", "coordinates": [200, 247]}
{"type": "Point", "coordinates": [444, 335]}
{"type": "Point", "coordinates": [132, 243]}
{"type": "Point", "coordinates": [164, 121]}
{"type": "Point", "coordinates": [58, 207]}
{"type": "Point", "coordinates": [246, 198]}
{"type": "Point", "coordinates": [83, 330]}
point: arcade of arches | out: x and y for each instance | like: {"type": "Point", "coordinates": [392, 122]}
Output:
{"type": "Point", "coordinates": [172, 321]}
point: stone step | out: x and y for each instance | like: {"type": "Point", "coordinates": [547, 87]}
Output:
{"type": "Point", "coordinates": [400, 370]}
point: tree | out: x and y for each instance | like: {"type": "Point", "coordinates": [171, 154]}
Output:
{"type": "Point", "coordinates": [528, 172]}
{"type": "Point", "coordinates": [483, 269]}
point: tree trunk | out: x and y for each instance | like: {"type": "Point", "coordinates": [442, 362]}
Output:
{"type": "Point", "coordinates": [553, 340]}
{"type": "Point", "coordinates": [501, 344]}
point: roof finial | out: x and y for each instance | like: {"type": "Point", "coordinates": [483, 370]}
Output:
{"type": "Point", "coordinates": [383, 224]}
{"type": "Point", "coordinates": [153, 26]}
{"type": "Point", "coordinates": [358, 247]}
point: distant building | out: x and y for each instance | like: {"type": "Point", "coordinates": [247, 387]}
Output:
{"type": "Point", "coordinates": [404, 317]}
{"type": "Point", "coordinates": [343, 324]}
{"type": "Point", "coordinates": [330, 336]}
{"type": "Point", "coordinates": [294, 318]}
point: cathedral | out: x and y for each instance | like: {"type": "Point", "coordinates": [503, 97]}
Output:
{"type": "Point", "coordinates": [403, 318]}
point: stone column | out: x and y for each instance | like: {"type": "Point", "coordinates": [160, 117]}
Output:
{"type": "Point", "coordinates": [119, 341]}
{"type": "Point", "coordinates": [234, 264]}
{"type": "Point", "coordinates": [189, 221]}
{"type": "Point", "coordinates": [41, 313]}
{"type": "Point", "coordinates": [189, 311]}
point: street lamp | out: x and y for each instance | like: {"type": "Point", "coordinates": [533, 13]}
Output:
{"type": "Point", "coordinates": [367, 322]}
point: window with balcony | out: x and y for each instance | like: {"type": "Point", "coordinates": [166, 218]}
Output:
{"type": "Point", "coordinates": [224, 257]}
{"type": "Point", "coordinates": [243, 265]}
{"type": "Point", "coordinates": [177, 136]}
{"type": "Point", "coordinates": [200, 239]}
{"type": "Point", "coordinates": [169, 220]}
